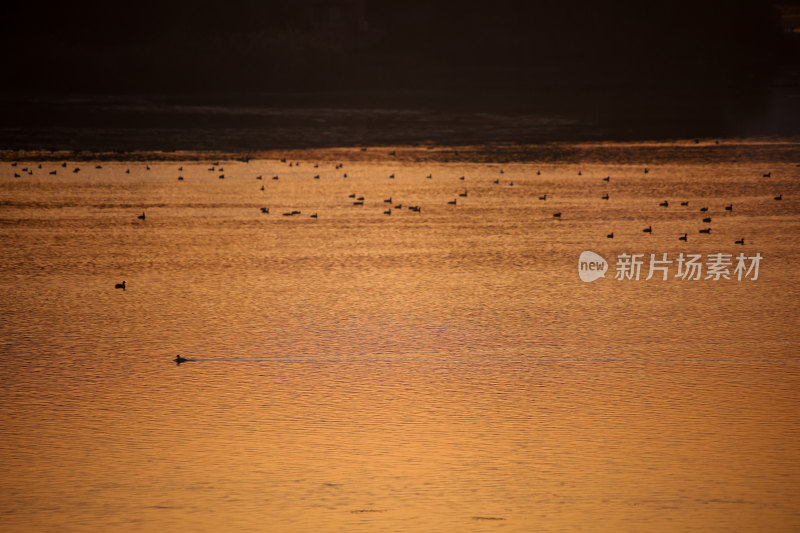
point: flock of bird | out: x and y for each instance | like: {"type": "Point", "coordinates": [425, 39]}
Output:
{"type": "Point", "coordinates": [358, 199]}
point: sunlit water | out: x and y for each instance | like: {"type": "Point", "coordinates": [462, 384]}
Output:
{"type": "Point", "coordinates": [445, 370]}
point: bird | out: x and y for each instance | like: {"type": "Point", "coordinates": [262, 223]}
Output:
{"type": "Point", "coordinates": [729, 207]}
{"type": "Point", "coordinates": [665, 203]}
{"type": "Point", "coordinates": [557, 215]}
{"type": "Point", "coordinates": [360, 198]}
{"type": "Point", "coordinates": [351, 195]}
{"type": "Point", "coordinates": [359, 202]}
{"type": "Point", "coordinates": [768, 174]}
{"type": "Point", "coordinates": [120, 286]}
{"type": "Point", "coordinates": [388, 200]}
{"type": "Point", "coordinates": [740, 241]}
{"type": "Point", "coordinates": [258, 177]}
{"type": "Point", "coordinates": [543, 197]}
{"type": "Point", "coordinates": [703, 209]}
{"type": "Point", "coordinates": [707, 230]}
{"type": "Point", "coordinates": [648, 229]}
{"type": "Point", "coordinates": [429, 176]}
{"type": "Point", "coordinates": [265, 210]}
{"type": "Point", "coordinates": [579, 173]}
{"type": "Point", "coordinates": [141, 217]}
{"type": "Point", "coordinates": [610, 235]}
{"type": "Point", "coordinates": [387, 212]}
{"type": "Point", "coordinates": [262, 187]}
{"type": "Point", "coordinates": [604, 197]}
{"type": "Point", "coordinates": [461, 178]}
{"type": "Point", "coordinates": [685, 203]}
{"type": "Point", "coordinates": [178, 360]}
{"type": "Point", "coordinates": [314, 215]}
{"type": "Point", "coordinates": [274, 177]}
{"type": "Point", "coordinates": [391, 176]}
{"type": "Point", "coordinates": [452, 202]}
{"type": "Point", "coordinates": [646, 170]}
{"type": "Point", "coordinates": [707, 220]}
{"type": "Point", "coordinates": [222, 176]}
{"type": "Point", "coordinates": [779, 197]}
{"type": "Point", "coordinates": [464, 194]}
{"type": "Point", "coordinates": [317, 176]}
{"type": "Point", "coordinates": [399, 206]}
{"type": "Point", "coordinates": [496, 182]}
{"type": "Point", "coordinates": [127, 171]}
{"type": "Point", "coordinates": [682, 238]}
{"type": "Point", "coordinates": [607, 178]}
{"type": "Point", "coordinates": [53, 173]}
{"type": "Point", "coordinates": [180, 178]}
{"type": "Point", "coordinates": [538, 172]}
{"type": "Point", "coordinates": [76, 170]}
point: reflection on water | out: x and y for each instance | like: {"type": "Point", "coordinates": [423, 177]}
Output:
{"type": "Point", "coordinates": [444, 370]}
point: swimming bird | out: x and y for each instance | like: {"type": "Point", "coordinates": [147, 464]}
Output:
{"type": "Point", "coordinates": [120, 286]}
{"type": "Point", "coordinates": [387, 212]}
{"type": "Point", "coordinates": [768, 174]}
{"type": "Point", "coordinates": [740, 241]}
{"type": "Point", "coordinates": [391, 176]}
{"type": "Point", "coordinates": [258, 177]}
{"type": "Point", "coordinates": [779, 197]}
{"type": "Point", "coordinates": [265, 210]}
{"type": "Point", "coordinates": [351, 195]}
{"type": "Point", "coordinates": [314, 215]}
{"type": "Point", "coordinates": [461, 178]}
{"type": "Point", "coordinates": [464, 194]}
{"type": "Point", "coordinates": [388, 200]}
{"type": "Point", "coordinates": [538, 172]}
{"type": "Point", "coordinates": [703, 209]}
{"type": "Point", "coordinates": [665, 203]}
{"type": "Point", "coordinates": [345, 175]}
{"type": "Point", "coordinates": [53, 173]}
{"type": "Point", "coordinates": [399, 206]}
{"type": "Point", "coordinates": [682, 238]}
{"type": "Point", "coordinates": [99, 166]}
{"type": "Point", "coordinates": [707, 230]}
{"type": "Point", "coordinates": [707, 220]}
{"type": "Point", "coordinates": [360, 202]}
{"type": "Point", "coordinates": [579, 173]}
{"type": "Point", "coordinates": [496, 182]}
{"type": "Point", "coordinates": [685, 203]}
{"type": "Point", "coordinates": [127, 171]}
{"type": "Point", "coordinates": [178, 360]}
{"type": "Point", "coordinates": [429, 176]}
{"type": "Point", "coordinates": [610, 235]}
{"type": "Point", "coordinates": [76, 170]}
{"type": "Point", "coordinates": [648, 229]}
{"type": "Point", "coordinates": [317, 176]}
{"type": "Point", "coordinates": [604, 197]}
{"type": "Point", "coordinates": [141, 217]}
{"type": "Point", "coordinates": [543, 197]}
{"type": "Point", "coordinates": [274, 177]}
{"type": "Point", "coordinates": [64, 164]}
{"type": "Point", "coordinates": [607, 178]}
{"type": "Point", "coordinates": [557, 215]}
{"type": "Point", "coordinates": [222, 176]}
{"type": "Point", "coordinates": [729, 207]}
{"type": "Point", "coordinates": [646, 170]}
{"type": "Point", "coordinates": [262, 187]}
{"type": "Point", "coordinates": [180, 178]}
{"type": "Point", "coordinates": [360, 198]}
{"type": "Point", "coordinates": [452, 202]}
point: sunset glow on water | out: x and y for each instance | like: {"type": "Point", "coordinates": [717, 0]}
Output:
{"type": "Point", "coordinates": [440, 370]}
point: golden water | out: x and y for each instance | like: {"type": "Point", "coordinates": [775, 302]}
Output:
{"type": "Point", "coordinates": [437, 371]}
